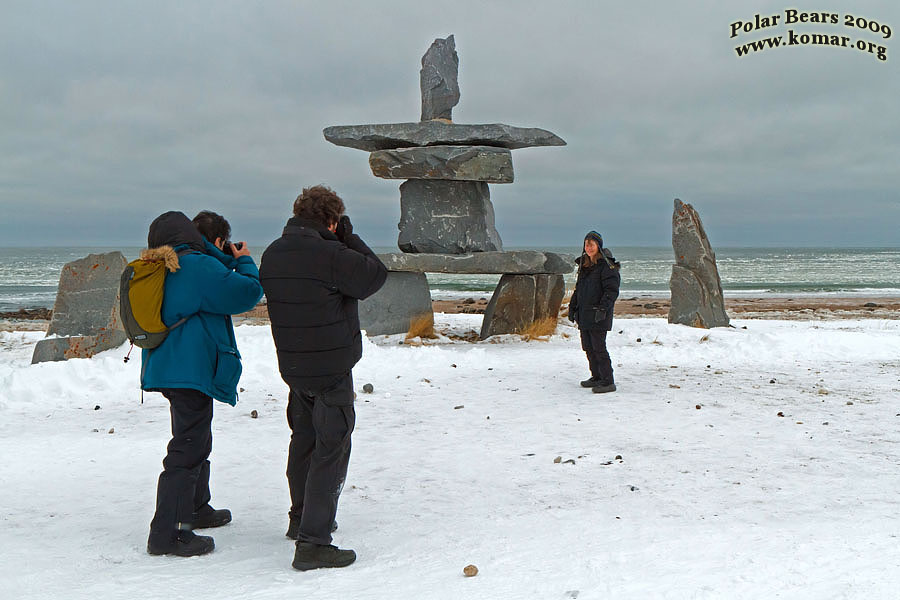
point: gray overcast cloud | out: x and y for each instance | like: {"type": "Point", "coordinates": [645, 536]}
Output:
{"type": "Point", "coordinates": [113, 112]}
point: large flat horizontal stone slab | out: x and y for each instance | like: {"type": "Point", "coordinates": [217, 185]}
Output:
{"type": "Point", "coordinates": [526, 262]}
{"type": "Point", "coordinates": [389, 136]}
{"type": "Point", "coordinates": [455, 163]}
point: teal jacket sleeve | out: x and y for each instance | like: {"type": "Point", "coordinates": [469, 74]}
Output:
{"type": "Point", "coordinates": [230, 292]}
{"type": "Point", "coordinates": [229, 261]}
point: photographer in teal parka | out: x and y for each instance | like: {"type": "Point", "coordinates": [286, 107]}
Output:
{"type": "Point", "coordinates": [196, 363]}
{"type": "Point", "coordinates": [592, 304]}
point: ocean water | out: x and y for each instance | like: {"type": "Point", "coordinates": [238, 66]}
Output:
{"type": "Point", "coordinates": [29, 276]}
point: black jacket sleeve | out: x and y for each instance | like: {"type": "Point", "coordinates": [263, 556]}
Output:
{"type": "Point", "coordinates": [358, 272]}
{"type": "Point", "coordinates": [610, 279]}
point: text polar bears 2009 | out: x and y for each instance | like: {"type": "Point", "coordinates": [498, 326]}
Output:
{"type": "Point", "coordinates": [792, 38]}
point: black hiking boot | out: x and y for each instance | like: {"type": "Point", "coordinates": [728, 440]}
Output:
{"type": "Point", "coordinates": [293, 531]}
{"type": "Point", "coordinates": [590, 382]}
{"type": "Point", "coordinates": [208, 517]}
{"type": "Point", "coordinates": [603, 388]}
{"type": "Point", "coordinates": [313, 556]}
{"type": "Point", "coordinates": [181, 543]}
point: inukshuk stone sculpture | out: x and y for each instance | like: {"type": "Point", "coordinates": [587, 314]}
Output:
{"type": "Point", "coordinates": [445, 204]}
{"type": "Point", "coordinates": [696, 288]}
{"type": "Point", "coordinates": [86, 312]}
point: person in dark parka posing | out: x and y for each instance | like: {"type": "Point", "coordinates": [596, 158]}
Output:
{"type": "Point", "coordinates": [313, 276]}
{"type": "Point", "coordinates": [596, 290]}
{"type": "Point", "coordinates": [198, 361]}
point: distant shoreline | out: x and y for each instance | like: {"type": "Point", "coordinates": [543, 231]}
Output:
{"type": "Point", "coordinates": [793, 308]}
{"type": "Point", "coordinates": [798, 308]}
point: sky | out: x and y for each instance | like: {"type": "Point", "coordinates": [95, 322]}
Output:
{"type": "Point", "coordinates": [114, 112]}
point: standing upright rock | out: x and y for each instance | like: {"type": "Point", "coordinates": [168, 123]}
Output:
{"type": "Point", "coordinates": [438, 80]}
{"type": "Point", "coordinates": [696, 288]}
{"type": "Point", "coordinates": [86, 313]}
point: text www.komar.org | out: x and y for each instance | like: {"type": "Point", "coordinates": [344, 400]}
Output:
{"type": "Point", "coordinates": [792, 38]}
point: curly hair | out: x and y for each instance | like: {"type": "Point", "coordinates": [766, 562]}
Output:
{"type": "Point", "coordinates": [320, 204]}
{"type": "Point", "coordinates": [212, 226]}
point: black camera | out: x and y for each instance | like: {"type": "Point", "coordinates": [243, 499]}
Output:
{"type": "Point", "coordinates": [229, 248]}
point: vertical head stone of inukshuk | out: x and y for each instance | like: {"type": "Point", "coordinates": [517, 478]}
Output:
{"type": "Point", "coordinates": [438, 80]}
{"type": "Point", "coordinates": [695, 284]}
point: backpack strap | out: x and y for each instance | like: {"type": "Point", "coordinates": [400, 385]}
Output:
{"type": "Point", "coordinates": [180, 322]}
{"type": "Point", "coordinates": [183, 320]}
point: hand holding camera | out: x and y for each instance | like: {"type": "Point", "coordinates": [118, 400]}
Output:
{"type": "Point", "coordinates": [236, 249]}
{"type": "Point", "coordinates": [344, 228]}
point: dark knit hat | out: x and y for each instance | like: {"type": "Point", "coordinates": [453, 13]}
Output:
{"type": "Point", "coordinates": [593, 235]}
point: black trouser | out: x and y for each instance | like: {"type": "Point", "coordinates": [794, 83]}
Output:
{"type": "Point", "coordinates": [321, 422]}
{"type": "Point", "coordinates": [184, 483]}
{"type": "Point", "coordinates": [593, 342]}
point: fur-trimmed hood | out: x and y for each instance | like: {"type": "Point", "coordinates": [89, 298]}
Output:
{"type": "Point", "coordinates": [164, 253]}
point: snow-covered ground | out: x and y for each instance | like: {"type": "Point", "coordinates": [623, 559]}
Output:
{"type": "Point", "coordinates": [755, 463]}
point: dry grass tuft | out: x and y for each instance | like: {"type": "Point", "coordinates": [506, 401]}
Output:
{"type": "Point", "coordinates": [541, 329]}
{"type": "Point", "coordinates": [421, 327]}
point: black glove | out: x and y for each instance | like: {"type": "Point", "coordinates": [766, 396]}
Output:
{"type": "Point", "coordinates": [571, 314]}
{"type": "Point", "coordinates": [344, 228]}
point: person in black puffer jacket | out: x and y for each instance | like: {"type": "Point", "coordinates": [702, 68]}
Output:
{"type": "Point", "coordinates": [593, 300]}
{"type": "Point", "coordinates": [313, 276]}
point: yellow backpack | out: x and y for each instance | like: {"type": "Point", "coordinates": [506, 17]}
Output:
{"type": "Point", "coordinates": [141, 292]}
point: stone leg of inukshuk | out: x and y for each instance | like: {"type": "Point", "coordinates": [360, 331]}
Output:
{"type": "Point", "coordinates": [521, 300]}
{"type": "Point", "coordinates": [86, 312]}
{"type": "Point", "coordinates": [403, 304]}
